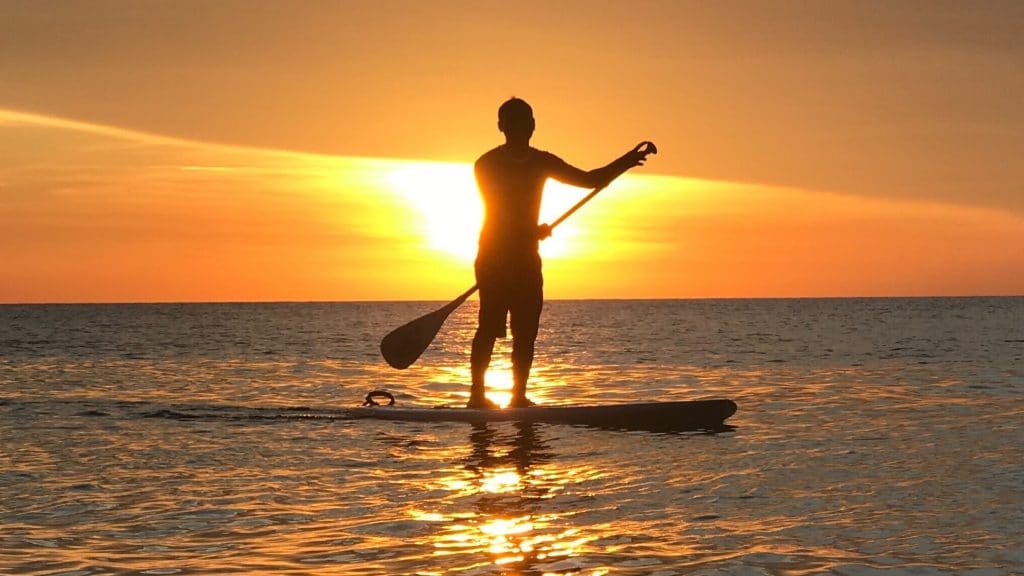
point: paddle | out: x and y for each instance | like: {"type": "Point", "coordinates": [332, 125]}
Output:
{"type": "Point", "coordinates": [403, 345]}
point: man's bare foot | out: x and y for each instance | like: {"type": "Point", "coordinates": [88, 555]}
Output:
{"type": "Point", "coordinates": [522, 402]}
{"type": "Point", "coordinates": [481, 403]}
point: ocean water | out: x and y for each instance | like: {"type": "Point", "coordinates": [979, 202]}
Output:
{"type": "Point", "coordinates": [874, 436]}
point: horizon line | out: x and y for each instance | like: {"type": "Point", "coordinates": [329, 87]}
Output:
{"type": "Point", "coordinates": [424, 301]}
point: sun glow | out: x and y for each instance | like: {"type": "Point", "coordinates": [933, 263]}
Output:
{"type": "Point", "coordinates": [221, 223]}
{"type": "Point", "coordinates": [445, 196]}
{"type": "Point", "coordinates": [451, 213]}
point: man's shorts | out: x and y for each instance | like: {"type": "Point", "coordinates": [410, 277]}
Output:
{"type": "Point", "coordinates": [510, 288]}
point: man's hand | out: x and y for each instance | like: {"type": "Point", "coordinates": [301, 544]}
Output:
{"type": "Point", "coordinates": [638, 155]}
{"type": "Point", "coordinates": [543, 231]}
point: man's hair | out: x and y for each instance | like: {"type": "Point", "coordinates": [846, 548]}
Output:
{"type": "Point", "coordinates": [514, 112]}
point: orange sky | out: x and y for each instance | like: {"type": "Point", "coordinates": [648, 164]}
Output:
{"type": "Point", "coordinates": [226, 151]}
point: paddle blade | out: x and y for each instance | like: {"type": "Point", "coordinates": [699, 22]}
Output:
{"type": "Point", "coordinates": [405, 344]}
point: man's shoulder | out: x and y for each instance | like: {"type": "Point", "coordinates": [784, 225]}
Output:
{"type": "Point", "coordinates": [502, 153]}
{"type": "Point", "coordinates": [490, 156]}
{"type": "Point", "coordinates": [548, 157]}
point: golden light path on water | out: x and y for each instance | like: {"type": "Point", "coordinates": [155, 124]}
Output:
{"type": "Point", "coordinates": [547, 378]}
{"type": "Point", "coordinates": [505, 526]}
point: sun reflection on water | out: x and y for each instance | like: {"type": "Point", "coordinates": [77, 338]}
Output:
{"type": "Point", "coordinates": [499, 490]}
{"type": "Point", "coordinates": [547, 381]}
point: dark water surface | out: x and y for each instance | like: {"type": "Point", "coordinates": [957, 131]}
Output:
{"type": "Point", "coordinates": [875, 436]}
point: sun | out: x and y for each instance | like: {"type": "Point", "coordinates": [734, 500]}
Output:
{"type": "Point", "coordinates": [445, 196]}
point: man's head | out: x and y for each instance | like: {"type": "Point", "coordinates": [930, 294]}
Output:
{"type": "Point", "coordinates": [515, 120]}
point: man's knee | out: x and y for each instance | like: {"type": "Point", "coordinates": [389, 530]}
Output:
{"type": "Point", "coordinates": [483, 338]}
{"type": "Point", "coordinates": [524, 336]}
{"type": "Point", "coordinates": [525, 329]}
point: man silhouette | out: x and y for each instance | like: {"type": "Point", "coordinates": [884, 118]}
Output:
{"type": "Point", "coordinates": [508, 267]}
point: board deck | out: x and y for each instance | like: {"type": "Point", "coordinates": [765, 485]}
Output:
{"type": "Point", "coordinates": [655, 416]}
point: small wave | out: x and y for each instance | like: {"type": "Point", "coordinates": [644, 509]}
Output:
{"type": "Point", "coordinates": [170, 414]}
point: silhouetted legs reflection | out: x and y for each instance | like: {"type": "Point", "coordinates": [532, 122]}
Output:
{"type": "Point", "coordinates": [527, 448]}
{"type": "Point", "coordinates": [511, 489]}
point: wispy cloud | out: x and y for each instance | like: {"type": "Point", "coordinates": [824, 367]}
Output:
{"type": "Point", "coordinates": [90, 212]}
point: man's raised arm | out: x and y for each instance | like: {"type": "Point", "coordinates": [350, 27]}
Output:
{"type": "Point", "coordinates": [564, 172]}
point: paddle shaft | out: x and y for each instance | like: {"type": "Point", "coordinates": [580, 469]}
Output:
{"type": "Point", "coordinates": [404, 345]}
{"type": "Point", "coordinates": [577, 206]}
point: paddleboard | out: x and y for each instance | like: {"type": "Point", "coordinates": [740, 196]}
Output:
{"type": "Point", "coordinates": [653, 416]}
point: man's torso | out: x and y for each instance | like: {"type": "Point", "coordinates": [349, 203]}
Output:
{"type": "Point", "coordinates": [511, 183]}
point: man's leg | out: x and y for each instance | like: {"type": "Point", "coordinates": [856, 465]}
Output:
{"type": "Point", "coordinates": [479, 360]}
{"type": "Point", "coordinates": [525, 325]}
{"type": "Point", "coordinates": [490, 327]}
{"type": "Point", "coordinates": [522, 362]}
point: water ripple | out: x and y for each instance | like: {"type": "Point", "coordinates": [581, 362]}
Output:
{"type": "Point", "coordinates": [213, 439]}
